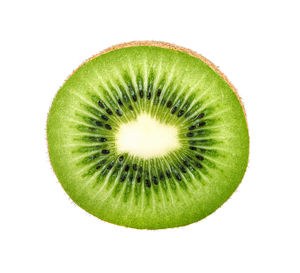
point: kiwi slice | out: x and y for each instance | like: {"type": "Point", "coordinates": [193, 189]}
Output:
{"type": "Point", "coordinates": [148, 135]}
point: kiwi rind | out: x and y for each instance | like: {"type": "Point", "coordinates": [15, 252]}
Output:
{"type": "Point", "coordinates": [181, 218]}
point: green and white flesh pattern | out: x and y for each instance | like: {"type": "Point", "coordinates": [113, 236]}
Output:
{"type": "Point", "coordinates": [148, 137]}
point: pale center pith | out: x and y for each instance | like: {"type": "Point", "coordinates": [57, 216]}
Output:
{"type": "Point", "coordinates": [147, 138]}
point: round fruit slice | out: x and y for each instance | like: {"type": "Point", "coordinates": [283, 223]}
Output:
{"type": "Point", "coordinates": [148, 135]}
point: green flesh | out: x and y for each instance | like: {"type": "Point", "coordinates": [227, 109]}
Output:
{"type": "Point", "coordinates": [173, 87]}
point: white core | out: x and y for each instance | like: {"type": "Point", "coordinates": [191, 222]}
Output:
{"type": "Point", "coordinates": [146, 138]}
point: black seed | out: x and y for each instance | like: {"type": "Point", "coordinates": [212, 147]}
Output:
{"type": "Point", "coordinates": [134, 98]}
{"type": "Point", "coordinates": [149, 96]}
{"type": "Point", "coordinates": [180, 113]}
{"type": "Point", "coordinates": [120, 102]}
{"type": "Point", "coordinates": [189, 134]}
{"type": "Point", "coordinates": [131, 177]}
{"type": "Point", "coordinates": [200, 157]}
{"type": "Point", "coordinates": [105, 152]}
{"type": "Point", "coordinates": [178, 177]}
{"type": "Point", "coordinates": [123, 177]}
{"type": "Point", "coordinates": [182, 169]}
{"type": "Point", "coordinates": [200, 115]}
{"type": "Point", "coordinates": [186, 163]}
{"type": "Point", "coordinates": [127, 168]}
{"type": "Point", "coordinates": [118, 112]}
{"type": "Point", "coordinates": [134, 166]}
{"type": "Point", "coordinates": [193, 148]}
{"type": "Point", "coordinates": [108, 111]}
{"type": "Point", "coordinates": [107, 126]}
{"type": "Point", "coordinates": [174, 109]}
{"type": "Point", "coordinates": [140, 169]}
{"type": "Point", "coordinates": [100, 104]}
{"type": "Point", "coordinates": [99, 123]}
{"type": "Point", "coordinates": [121, 158]}
{"type": "Point", "coordinates": [104, 117]}
{"type": "Point", "coordinates": [109, 166]}
{"type": "Point", "coordinates": [102, 139]}
{"type": "Point", "coordinates": [138, 178]}
{"type": "Point", "coordinates": [201, 124]}
{"type": "Point", "coordinates": [192, 128]}
{"type": "Point", "coordinates": [169, 104]}
{"type": "Point", "coordinates": [158, 92]}
{"type": "Point", "coordinates": [155, 180]}
{"type": "Point", "coordinates": [98, 167]}
{"type": "Point", "coordinates": [130, 107]}
{"type": "Point", "coordinates": [168, 174]}
{"type": "Point", "coordinates": [147, 182]}
{"type": "Point", "coordinates": [198, 165]}
{"type": "Point", "coordinates": [141, 94]}
{"type": "Point", "coordinates": [161, 176]}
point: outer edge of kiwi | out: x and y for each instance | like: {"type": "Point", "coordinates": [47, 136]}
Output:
{"type": "Point", "coordinates": [156, 44]}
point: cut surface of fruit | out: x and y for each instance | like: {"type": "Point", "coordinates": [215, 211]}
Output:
{"type": "Point", "coordinates": [147, 138]}
{"type": "Point", "coordinates": [148, 135]}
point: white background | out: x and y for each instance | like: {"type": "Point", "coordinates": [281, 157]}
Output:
{"type": "Point", "coordinates": [255, 43]}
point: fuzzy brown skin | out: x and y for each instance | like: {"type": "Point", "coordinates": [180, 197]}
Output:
{"type": "Point", "coordinates": [173, 47]}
